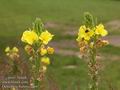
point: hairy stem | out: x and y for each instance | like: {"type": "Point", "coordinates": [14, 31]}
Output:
{"type": "Point", "coordinates": [93, 70]}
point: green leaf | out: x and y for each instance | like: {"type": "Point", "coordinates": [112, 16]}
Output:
{"type": "Point", "coordinates": [38, 26]}
{"type": "Point", "coordinates": [89, 20]}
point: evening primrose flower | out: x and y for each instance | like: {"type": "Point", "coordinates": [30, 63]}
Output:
{"type": "Point", "coordinates": [100, 30]}
{"type": "Point", "coordinates": [29, 37]}
{"type": "Point", "coordinates": [45, 37]}
{"type": "Point", "coordinates": [45, 60]}
{"type": "Point", "coordinates": [12, 53]}
{"type": "Point", "coordinates": [7, 49]}
{"type": "Point", "coordinates": [15, 49]}
{"type": "Point", "coordinates": [50, 50]}
{"type": "Point", "coordinates": [85, 33]}
{"type": "Point", "coordinates": [43, 51]}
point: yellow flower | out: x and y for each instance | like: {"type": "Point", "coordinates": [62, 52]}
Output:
{"type": "Point", "coordinates": [7, 49]}
{"type": "Point", "coordinates": [43, 51]}
{"type": "Point", "coordinates": [15, 49]}
{"type": "Point", "coordinates": [12, 53]}
{"type": "Point", "coordinates": [29, 37]}
{"type": "Point", "coordinates": [50, 50]}
{"type": "Point", "coordinates": [45, 37]}
{"type": "Point", "coordinates": [45, 60]}
{"type": "Point", "coordinates": [84, 33]}
{"type": "Point", "coordinates": [100, 30]}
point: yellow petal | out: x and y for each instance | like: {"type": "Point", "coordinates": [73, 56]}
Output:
{"type": "Point", "coordinates": [29, 37]}
{"type": "Point", "coordinates": [45, 60]}
{"type": "Point", "coordinates": [100, 30]}
{"type": "Point", "coordinates": [104, 33]}
{"type": "Point", "coordinates": [45, 37]}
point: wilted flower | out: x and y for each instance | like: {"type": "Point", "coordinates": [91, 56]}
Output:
{"type": "Point", "coordinates": [82, 43]}
{"type": "Point", "coordinates": [83, 50]}
{"type": "Point", "coordinates": [29, 49]}
{"type": "Point", "coordinates": [101, 43]}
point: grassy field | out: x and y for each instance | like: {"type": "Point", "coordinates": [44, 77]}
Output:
{"type": "Point", "coordinates": [63, 18]}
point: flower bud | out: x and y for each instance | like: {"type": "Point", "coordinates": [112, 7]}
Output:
{"type": "Point", "coordinates": [29, 49]}
{"type": "Point", "coordinates": [45, 60]}
{"type": "Point", "coordinates": [43, 51]}
{"type": "Point", "coordinates": [7, 49]}
{"type": "Point", "coordinates": [50, 50]}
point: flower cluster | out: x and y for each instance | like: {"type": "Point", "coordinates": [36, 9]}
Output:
{"type": "Point", "coordinates": [37, 40]}
{"type": "Point", "coordinates": [12, 53]}
{"type": "Point", "coordinates": [14, 62]}
{"type": "Point", "coordinates": [90, 39]}
{"type": "Point", "coordinates": [91, 36]}
{"type": "Point", "coordinates": [31, 37]}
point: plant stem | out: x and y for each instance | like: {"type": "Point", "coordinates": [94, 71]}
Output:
{"type": "Point", "coordinates": [37, 65]}
{"type": "Point", "coordinates": [93, 69]}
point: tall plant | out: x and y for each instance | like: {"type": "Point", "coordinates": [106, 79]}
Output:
{"type": "Point", "coordinates": [37, 39]}
{"type": "Point", "coordinates": [90, 40]}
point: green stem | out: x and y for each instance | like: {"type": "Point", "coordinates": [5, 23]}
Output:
{"type": "Point", "coordinates": [37, 65]}
{"type": "Point", "coordinates": [93, 70]}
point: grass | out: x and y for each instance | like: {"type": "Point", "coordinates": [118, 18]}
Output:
{"type": "Point", "coordinates": [65, 76]}
{"type": "Point", "coordinates": [17, 15]}
{"type": "Point", "coordinates": [112, 50]}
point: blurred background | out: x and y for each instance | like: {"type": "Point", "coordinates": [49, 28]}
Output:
{"type": "Point", "coordinates": [63, 18]}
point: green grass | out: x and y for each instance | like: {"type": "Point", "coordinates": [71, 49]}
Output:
{"type": "Point", "coordinates": [111, 74]}
{"type": "Point", "coordinates": [114, 32]}
{"type": "Point", "coordinates": [111, 50]}
{"type": "Point", "coordinates": [66, 78]}
{"type": "Point", "coordinates": [17, 15]}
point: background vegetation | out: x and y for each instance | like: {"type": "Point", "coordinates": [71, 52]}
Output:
{"type": "Point", "coordinates": [63, 18]}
